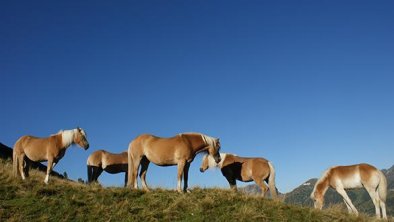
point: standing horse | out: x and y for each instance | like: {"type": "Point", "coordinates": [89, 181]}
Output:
{"type": "Point", "coordinates": [50, 149]}
{"type": "Point", "coordinates": [354, 176]}
{"type": "Point", "coordinates": [244, 169]}
{"type": "Point", "coordinates": [178, 150]}
{"type": "Point", "coordinates": [102, 160]}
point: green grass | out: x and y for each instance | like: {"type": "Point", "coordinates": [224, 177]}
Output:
{"type": "Point", "coordinates": [61, 200]}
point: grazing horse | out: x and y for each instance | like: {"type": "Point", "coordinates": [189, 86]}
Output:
{"type": "Point", "coordinates": [102, 160]}
{"type": "Point", "coordinates": [50, 149]}
{"type": "Point", "coordinates": [354, 176]}
{"type": "Point", "coordinates": [178, 150]}
{"type": "Point", "coordinates": [244, 169]}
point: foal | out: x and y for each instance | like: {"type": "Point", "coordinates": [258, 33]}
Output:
{"type": "Point", "coordinates": [50, 149]}
{"type": "Point", "coordinates": [244, 169]}
{"type": "Point", "coordinates": [102, 160]}
{"type": "Point", "coordinates": [354, 176]}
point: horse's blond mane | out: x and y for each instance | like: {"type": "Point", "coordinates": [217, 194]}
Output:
{"type": "Point", "coordinates": [211, 161]}
{"type": "Point", "coordinates": [211, 141]}
{"type": "Point", "coordinates": [68, 137]}
{"type": "Point", "coordinates": [321, 180]}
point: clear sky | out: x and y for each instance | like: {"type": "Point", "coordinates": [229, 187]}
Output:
{"type": "Point", "coordinates": [305, 84]}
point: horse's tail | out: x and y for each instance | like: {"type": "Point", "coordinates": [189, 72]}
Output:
{"type": "Point", "coordinates": [130, 166]}
{"type": "Point", "coordinates": [382, 188]}
{"type": "Point", "coordinates": [271, 181]}
{"type": "Point", "coordinates": [15, 161]}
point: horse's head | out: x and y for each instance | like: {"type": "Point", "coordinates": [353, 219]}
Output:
{"type": "Point", "coordinates": [318, 199]}
{"type": "Point", "coordinates": [205, 164]}
{"type": "Point", "coordinates": [80, 138]}
{"type": "Point", "coordinates": [213, 150]}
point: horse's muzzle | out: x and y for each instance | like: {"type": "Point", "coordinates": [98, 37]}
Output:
{"type": "Point", "coordinates": [217, 160]}
{"type": "Point", "coordinates": [87, 146]}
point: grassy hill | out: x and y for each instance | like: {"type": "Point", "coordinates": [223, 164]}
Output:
{"type": "Point", "coordinates": [62, 200]}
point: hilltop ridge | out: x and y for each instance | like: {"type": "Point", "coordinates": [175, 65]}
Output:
{"type": "Point", "coordinates": [63, 200]}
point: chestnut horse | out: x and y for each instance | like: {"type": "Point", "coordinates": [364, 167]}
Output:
{"type": "Point", "coordinates": [102, 160]}
{"type": "Point", "coordinates": [178, 150]}
{"type": "Point", "coordinates": [50, 149]}
{"type": "Point", "coordinates": [354, 176]}
{"type": "Point", "coordinates": [244, 169]}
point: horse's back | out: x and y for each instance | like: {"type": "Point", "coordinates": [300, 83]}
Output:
{"type": "Point", "coordinates": [35, 148]}
{"type": "Point", "coordinates": [152, 142]}
{"type": "Point", "coordinates": [94, 158]}
{"type": "Point", "coordinates": [161, 151]}
{"type": "Point", "coordinates": [354, 176]}
{"type": "Point", "coordinates": [115, 158]}
{"type": "Point", "coordinates": [249, 167]}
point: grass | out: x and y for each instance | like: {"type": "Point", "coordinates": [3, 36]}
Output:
{"type": "Point", "coordinates": [62, 200]}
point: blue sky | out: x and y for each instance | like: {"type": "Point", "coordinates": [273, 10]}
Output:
{"type": "Point", "coordinates": [306, 84]}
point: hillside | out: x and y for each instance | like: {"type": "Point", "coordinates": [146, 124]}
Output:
{"type": "Point", "coordinates": [63, 200]}
{"type": "Point", "coordinates": [360, 197]}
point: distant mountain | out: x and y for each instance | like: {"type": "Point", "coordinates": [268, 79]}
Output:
{"type": "Point", "coordinates": [390, 178]}
{"type": "Point", "coordinates": [5, 152]}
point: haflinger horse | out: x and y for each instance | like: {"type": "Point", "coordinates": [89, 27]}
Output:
{"type": "Point", "coordinates": [50, 149]}
{"type": "Point", "coordinates": [244, 169]}
{"type": "Point", "coordinates": [102, 160]}
{"type": "Point", "coordinates": [354, 176]}
{"type": "Point", "coordinates": [178, 150]}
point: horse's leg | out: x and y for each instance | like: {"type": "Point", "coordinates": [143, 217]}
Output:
{"type": "Point", "coordinates": [186, 176]}
{"type": "Point", "coordinates": [125, 178]}
{"type": "Point", "coordinates": [181, 167]}
{"type": "Point", "coordinates": [349, 209]}
{"type": "Point", "coordinates": [232, 182]}
{"type": "Point", "coordinates": [27, 166]}
{"type": "Point", "coordinates": [375, 199]}
{"type": "Point", "coordinates": [49, 169]}
{"type": "Point", "coordinates": [229, 175]}
{"type": "Point", "coordinates": [144, 168]}
{"type": "Point", "coordinates": [93, 176]}
{"type": "Point", "coordinates": [383, 206]}
{"type": "Point", "coordinates": [96, 173]}
{"type": "Point", "coordinates": [21, 161]}
{"type": "Point", "coordinates": [261, 184]}
{"type": "Point", "coordinates": [136, 164]}
{"type": "Point", "coordinates": [346, 198]}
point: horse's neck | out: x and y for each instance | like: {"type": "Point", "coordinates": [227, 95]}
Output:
{"type": "Point", "coordinates": [65, 139]}
{"type": "Point", "coordinates": [197, 143]}
{"type": "Point", "coordinates": [322, 185]}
